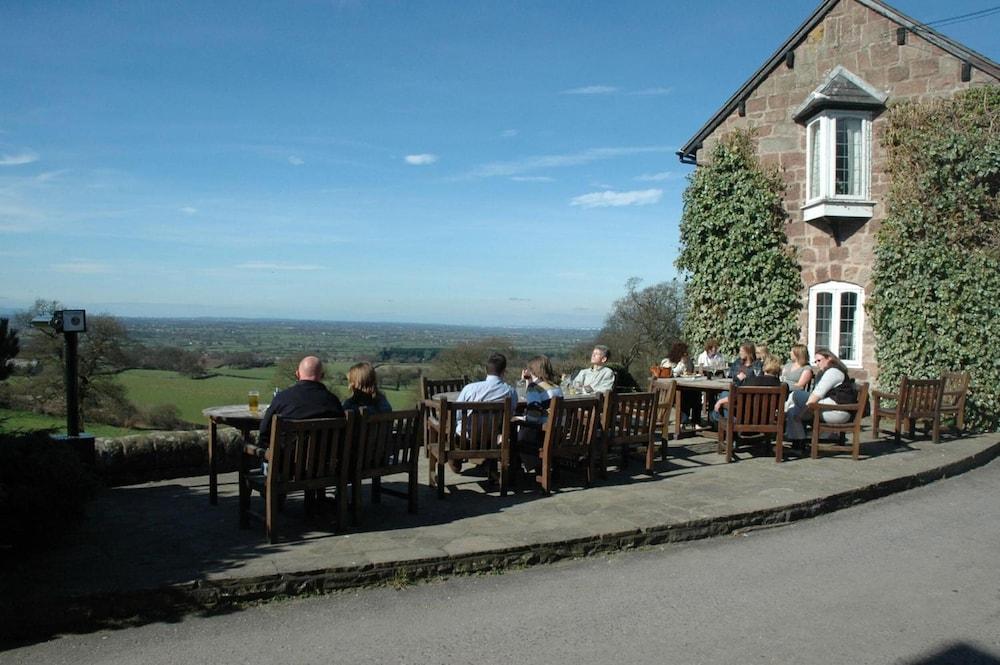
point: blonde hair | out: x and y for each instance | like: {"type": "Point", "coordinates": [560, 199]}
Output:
{"type": "Point", "coordinates": [801, 354]}
{"type": "Point", "coordinates": [772, 365]}
{"type": "Point", "coordinates": [361, 377]}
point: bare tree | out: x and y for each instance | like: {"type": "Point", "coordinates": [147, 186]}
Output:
{"type": "Point", "coordinates": [644, 323]}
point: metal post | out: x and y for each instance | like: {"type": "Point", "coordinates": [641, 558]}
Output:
{"type": "Point", "coordinates": [72, 385]}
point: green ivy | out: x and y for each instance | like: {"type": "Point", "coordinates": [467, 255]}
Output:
{"type": "Point", "coordinates": [743, 279]}
{"type": "Point", "coordinates": [935, 304]}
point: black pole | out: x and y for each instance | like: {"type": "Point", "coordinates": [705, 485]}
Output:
{"type": "Point", "coordinates": [72, 385]}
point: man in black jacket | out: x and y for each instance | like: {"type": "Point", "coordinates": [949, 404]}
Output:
{"type": "Point", "coordinates": [308, 398]}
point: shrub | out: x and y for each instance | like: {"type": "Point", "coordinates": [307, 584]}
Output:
{"type": "Point", "coordinates": [44, 488]}
{"type": "Point", "coordinates": [743, 280]}
{"type": "Point", "coordinates": [166, 417]}
{"type": "Point", "coordinates": [934, 307]}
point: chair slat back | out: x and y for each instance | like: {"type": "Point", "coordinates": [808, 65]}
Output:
{"type": "Point", "coordinates": [920, 398]}
{"type": "Point", "coordinates": [956, 386]}
{"type": "Point", "coordinates": [307, 452]}
{"type": "Point", "coordinates": [664, 389]}
{"type": "Point", "coordinates": [431, 387]}
{"type": "Point", "coordinates": [477, 426]}
{"type": "Point", "coordinates": [387, 441]}
{"type": "Point", "coordinates": [629, 418]}
{"type": "Point", "coordinates": [758, 408]}
{"type": "Point", "coordinates": [570, 428]}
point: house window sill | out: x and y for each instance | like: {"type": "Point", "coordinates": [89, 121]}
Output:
{"type": "Point", "coordinates": [856, 209]}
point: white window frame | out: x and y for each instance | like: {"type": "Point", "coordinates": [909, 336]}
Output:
{"type": "Point", "coordinates": [837, 289]}
{"type": "Point", "coordinates": [827, 203]}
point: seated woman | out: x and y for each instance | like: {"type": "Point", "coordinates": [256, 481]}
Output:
{"type": "Point", "coordinates": [690, 400]}
{"type": "Point", "coordinates": [364, 390]}
{"type": "Point", "coordinates": [769, 377]}
{"type": "Point", "coordinates": [542, 387]}
{"type": "Point", "coordinates": [832, 373]}
{"type": "Point", "coordinates": [746, 365]}
{"type": "Point", "coordinates": [798, 373]}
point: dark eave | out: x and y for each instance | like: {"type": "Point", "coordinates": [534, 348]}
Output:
{"type": "Point", "coordinates": [688, 153]}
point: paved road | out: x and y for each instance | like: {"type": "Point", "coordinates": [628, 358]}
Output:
{"type": "Point", "coordinates": [914, 578]}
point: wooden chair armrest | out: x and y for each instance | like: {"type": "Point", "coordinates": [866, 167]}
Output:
{"type": "Point", "coordinates": [879, 394]}
{"type": "Point", "coordinates": [818, 408]}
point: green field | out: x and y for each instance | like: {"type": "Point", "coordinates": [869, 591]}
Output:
{"type": "Point", "coordinates": [149, 387]}
{"type": "Point", "coordinates": [13, 421]}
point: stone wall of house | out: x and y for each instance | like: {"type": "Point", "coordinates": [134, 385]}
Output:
{"type": "Point", "coordinates": [863, 42]}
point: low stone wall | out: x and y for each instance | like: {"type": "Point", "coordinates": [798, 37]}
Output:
{"type": "Point", "coordinates": [160, 455]}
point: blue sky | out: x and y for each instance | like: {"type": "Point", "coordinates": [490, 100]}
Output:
{"type": "Point", "coordinates": [507, 163]}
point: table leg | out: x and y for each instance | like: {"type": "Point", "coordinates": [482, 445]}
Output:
{"type": "Point", "coordinates": [678, 394]}
{"type": "Point", "coordinates": [213, 478]}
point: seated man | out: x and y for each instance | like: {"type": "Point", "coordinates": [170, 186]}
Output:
{"type": "Point", "coordinates": [598, 378]}
{"type": "Point", "coordinates": [308, 398]}
{"type": "Point", "coordinates": [492, 389]}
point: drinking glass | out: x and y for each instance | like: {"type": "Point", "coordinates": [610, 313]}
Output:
{"type": "Point", "coordinates": [253, 401]}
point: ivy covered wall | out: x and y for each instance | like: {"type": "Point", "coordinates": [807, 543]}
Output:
{"type": "Point", "coordinates": [935, 304]}
{"type": "Point", "coordinates": [742, 279]}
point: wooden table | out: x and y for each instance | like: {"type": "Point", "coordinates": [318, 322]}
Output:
{"type": "Point", "coordinates": [237, 416]}
{"type": "Point", "coordinates": [710, 387]}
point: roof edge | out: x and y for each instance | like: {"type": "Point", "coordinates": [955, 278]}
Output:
{"type": "Point", "coordinates": [687, 154]}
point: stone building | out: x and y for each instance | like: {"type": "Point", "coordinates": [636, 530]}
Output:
{"type": "Point", "coordinates": [816, 108]}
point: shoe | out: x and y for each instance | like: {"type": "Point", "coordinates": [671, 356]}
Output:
{"type": "Point", "coordinates": [455, 466]}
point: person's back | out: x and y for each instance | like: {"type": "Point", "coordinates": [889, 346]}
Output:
{"type": "Point", "coordinates": [492, 388]}
{"type": "Point", "coordinates": [358, 400]}
{"type": "Point", "coordinates": [307, 398]}
{"type": "Point", "coordinates": [363, 382]}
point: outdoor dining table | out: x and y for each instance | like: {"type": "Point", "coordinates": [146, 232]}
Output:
{"type": "Point", "coordinates": [710, 387]}
{"type": "Point", "coordinates": [238, 416]}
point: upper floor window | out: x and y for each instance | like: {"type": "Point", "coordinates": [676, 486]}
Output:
{"type": "Point", "coordinates": [839, 156]}
{"type": "Point", "coordinates": [836, 313]}
{"type": "Point", "coordinates": [838, 121]}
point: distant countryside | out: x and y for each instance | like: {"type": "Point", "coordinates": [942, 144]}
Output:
{"type": "Point", "coordinates": [161, 373]}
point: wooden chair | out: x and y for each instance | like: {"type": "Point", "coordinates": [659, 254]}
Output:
{"type": "Point", "coordinates": [664, 389]}
{"type": "Point", "coordinates": [469, 431]}
{"type": "Point", "coordinates": [628, 421]}
{"type": "Point", "coordinates": [569, 438]}
{"type": "Point", "coordinates": [307, 455]}
{"type": "Point", "coordinates": [956, 387]}
{"type": "Point", "coordinates": [388, 443]}
{"type": "Point", "coordinates": [917, 399]}
{"type": "Point", "coordinates": [852, 426]}
{"type": "Point", "coordinates": [754, 410]}
{"type": "Point", "coordinates": [428, 389]}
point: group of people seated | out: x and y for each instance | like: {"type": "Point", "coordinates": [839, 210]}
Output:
{"type": "Point", "coordinates": [808, 384]}
{"type": "Point", "coordinates": [754, 365]}
{"type": "Point", "coordinates": [310, 398]}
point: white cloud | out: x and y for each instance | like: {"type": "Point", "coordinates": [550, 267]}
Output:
{"type": "Point", "coordinates": [652, 91]}
{"type": "Point", "coordinates": [509, 133]}
{"type": "Point", "coordinates": [296, 161]}
{"type": "Point", "coordinates": [188, 210]}
{"type": "Point", "coordinates": [517, 167]}
{"type": "Point", "coordinates": [277, 266]}
{"type": "Point", "coordinates": [26, 157]}
{"type": "Point", "coordinates": [81, 267]}
{"type": "Point", "coordinates": [611, 199]}
{"type": "Point", "coordinates": [591, 90]}
{"type": "Point", "coordinates": [422, 159]}
{"type": "Point", "coordinates": [658, 177]}
{"type": "Point", "coordinates": [531, 178]}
